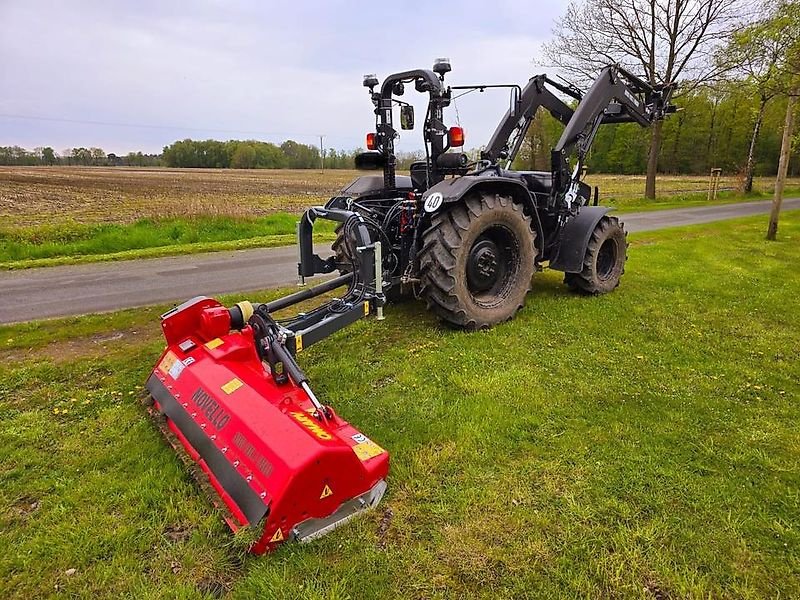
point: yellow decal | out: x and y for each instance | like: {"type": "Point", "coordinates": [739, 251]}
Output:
{"type": "Point", "coordinates": [367, 450]}
{"type": "Point", "coordinates": [298, 343]}
{"type": "Point", "coordinates": [166, 363]}
{"type": "Point", "coordinates": [233, 385]}
{"type": "Point", "coordinates": [311, 425]}
{"type": "Point", "coordinates": [366, 308]}
{"type": "Point", "coordinates": [326, 491]}
{"type": "Point", "coordinates": [278, 537]}
{"type": "Point", "coordinates": [215, 343]}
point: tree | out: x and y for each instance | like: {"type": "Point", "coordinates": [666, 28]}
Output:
{"type": "Point", "coordinates": [81, 156]}
{"type": "Point", "coordinates": [98, 156]}
{"type": "Point", "coordinates": [756, 54]}
{"type": "Point", "coordinates": [48, 156]}
{"type": "Point", "coordinates": [785, 18]}
{"type": "Point", "coordinates": [244, 156]}
{"type": "Point", "coordinates": [667, 40]}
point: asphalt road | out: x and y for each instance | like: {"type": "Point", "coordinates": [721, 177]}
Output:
{"type": "Point", "coordinates": [99, 287]}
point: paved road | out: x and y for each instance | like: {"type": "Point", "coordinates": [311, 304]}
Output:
{"type": "Point", "coordinates": [98, 287]}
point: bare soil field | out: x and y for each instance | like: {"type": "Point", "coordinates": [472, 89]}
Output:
{"type": "Point", "coordinates": [36, 195]}
{"type": "Point", "coordinates": [49, 195]}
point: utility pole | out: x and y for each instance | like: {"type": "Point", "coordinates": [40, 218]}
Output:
{"type": "Point", "coordinates": [321, 153]}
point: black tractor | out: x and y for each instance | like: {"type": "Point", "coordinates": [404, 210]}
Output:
{"type": "Point", "coordinates": [469, 236]}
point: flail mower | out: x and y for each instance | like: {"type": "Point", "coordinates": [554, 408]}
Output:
{"type": "Point", "coordinates": [465, 237]}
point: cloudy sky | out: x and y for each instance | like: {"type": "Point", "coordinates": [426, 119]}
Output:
{"type": "Point", "coordinates": [138, 75]}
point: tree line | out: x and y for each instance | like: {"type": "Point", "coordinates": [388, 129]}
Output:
{"type": "Point", "coordinates": [86, 157]}
{"type": "Point", "coordinates": [712, 129]}
{"type": "Point", "coordinates": [208, 154]}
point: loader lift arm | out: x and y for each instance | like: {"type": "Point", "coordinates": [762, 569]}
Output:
{"type": "Point", "coordinates": [616, 96]}
{"type": "Point", "coordinates": [510, 133]}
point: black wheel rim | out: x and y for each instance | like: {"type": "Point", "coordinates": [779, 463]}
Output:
{"type": "Point", "coordinates": [492, 264]}
{"type": "Point", "coordinates": [606, 259]}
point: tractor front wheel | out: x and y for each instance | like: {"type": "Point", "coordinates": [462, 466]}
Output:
{"type": "Point", "coordinates": [477, 261]}
{"type": "Point", "coordinates": [604, 261]}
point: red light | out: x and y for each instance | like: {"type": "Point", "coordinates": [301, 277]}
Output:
{"type": "Point", "coordinates": [371, 143]}
{"type": "Point", "coordinates": [455, 137]}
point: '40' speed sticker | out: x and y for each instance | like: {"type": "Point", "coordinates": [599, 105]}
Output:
{"type": "Point", "coordinates": [433, 202]}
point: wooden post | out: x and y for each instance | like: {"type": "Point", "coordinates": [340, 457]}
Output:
{"type": "Point", "coordinates": [713, 183]}
{"type": "Point", "coordinates": [783, 165]}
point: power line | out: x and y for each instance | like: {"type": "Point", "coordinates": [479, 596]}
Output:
{"type": "Point", "coordinates": [164, 127]}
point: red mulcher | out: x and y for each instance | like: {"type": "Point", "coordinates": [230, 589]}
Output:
{"type": "Point", "coordinates": [230, 393]}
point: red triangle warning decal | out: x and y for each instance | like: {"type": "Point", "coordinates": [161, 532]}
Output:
{"type": "Point", "coordinates": [326, 491]}
{"type": "Point", "coordinates": [278, 537]}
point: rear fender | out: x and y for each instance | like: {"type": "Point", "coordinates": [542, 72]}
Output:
{"type": "Point", "coordinates": [575, 238]}
{"type": "Point", "coordinates": [456, 189]}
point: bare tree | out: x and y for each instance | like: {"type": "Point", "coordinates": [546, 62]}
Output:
{"type": "Point", "coordinates": [667, 40]}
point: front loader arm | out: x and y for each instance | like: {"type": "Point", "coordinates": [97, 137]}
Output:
{"type": "Point", "coordinates": [510, 133]}
{"type": "Point", "coordinates": [617, 96]}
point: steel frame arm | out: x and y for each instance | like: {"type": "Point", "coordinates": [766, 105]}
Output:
{"type": "Point", "coordinates": [510, 133]}
{"type": "Point", "coordinates": [617, 96]}
{"type": "Point", "coordinates": [425, 81]}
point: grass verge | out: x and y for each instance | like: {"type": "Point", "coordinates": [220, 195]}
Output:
{"type": "Point", "coordinates": [687, 200]}
{"type": "Point", "coordinates": [71, 243]}
{"type": "Point", "coordinates": [641, 444]}
{"type": "Point", "coordinates": [77, 243]}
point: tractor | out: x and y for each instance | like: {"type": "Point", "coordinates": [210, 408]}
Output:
{"type": "Point", "coordinates": [465, 236]}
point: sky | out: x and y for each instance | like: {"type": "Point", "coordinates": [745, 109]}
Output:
{"type": "Point", "coordinates": [128, 76]}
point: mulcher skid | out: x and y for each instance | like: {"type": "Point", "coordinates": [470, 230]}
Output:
{"type": "Point", "coordinates": [229, 392]}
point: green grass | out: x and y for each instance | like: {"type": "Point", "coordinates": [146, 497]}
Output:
{"type": "Point", "coordinates": [641, 444]}
{"type": "Point", "coordinates": [625, 204]}
{"type": "Point", "coordinates": [72, 242]}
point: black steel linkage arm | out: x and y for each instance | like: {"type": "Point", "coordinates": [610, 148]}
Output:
{"type": "Point", "coordinates": [617, 96]}
{"type": "Point", "coordinates": [510, 133]}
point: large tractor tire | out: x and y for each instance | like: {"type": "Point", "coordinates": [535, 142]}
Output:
{"type": "Point", "coordinates": [344, 263]}
{"type": "Point", "coordinates": [477, 261]}
{"type": "Point", "coordinates": [343, 260]}
{"type": "Point", "coordinates": [604, 262]}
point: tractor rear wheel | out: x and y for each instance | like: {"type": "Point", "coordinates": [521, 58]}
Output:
{"type": "Point", "coordinates": [477, 261]}
{"type": "Point", "coordinates": [604, 262]}
{"type": "Point", "coordinates": [344, 262]}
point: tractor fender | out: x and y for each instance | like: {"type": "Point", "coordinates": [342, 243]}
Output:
{"type": "Point", "coordinates": [575, 238]}
{"type": "Point", "coordinates": [454, 190]}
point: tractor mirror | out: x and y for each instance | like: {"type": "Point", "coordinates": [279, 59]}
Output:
{"type": "Point", "coordinates": [407, 117]}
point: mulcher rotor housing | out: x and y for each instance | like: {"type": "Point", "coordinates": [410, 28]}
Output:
{"type": "Point", "coordinates": [467, 237]}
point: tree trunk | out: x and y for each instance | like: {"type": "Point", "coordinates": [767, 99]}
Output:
{"type": "Point", "coordinates": [652, 161]}
{"type": "Point", "coordinates": [748, 170]}
{"type": "Point", "coordinates": [783, 165]}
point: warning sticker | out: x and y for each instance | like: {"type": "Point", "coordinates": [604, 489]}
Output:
{"type": "Point", "coordinates": [167, 362]}
{"type": "Point", "coordinates": [278, 537]}
{"type": "Point", "coordinates": [233, 385]}
{"type": "Point", "coordinates": [176, 369]}
{"type": "Point", "coordinates": [367, 450]}
{"type": "Point", "coordinates": [215, 343]}
{"type": "Point", "coordinates": [326, 491]}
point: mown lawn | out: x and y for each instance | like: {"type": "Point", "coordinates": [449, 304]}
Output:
{"type": "Point", "coordinates": [642, 444]}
